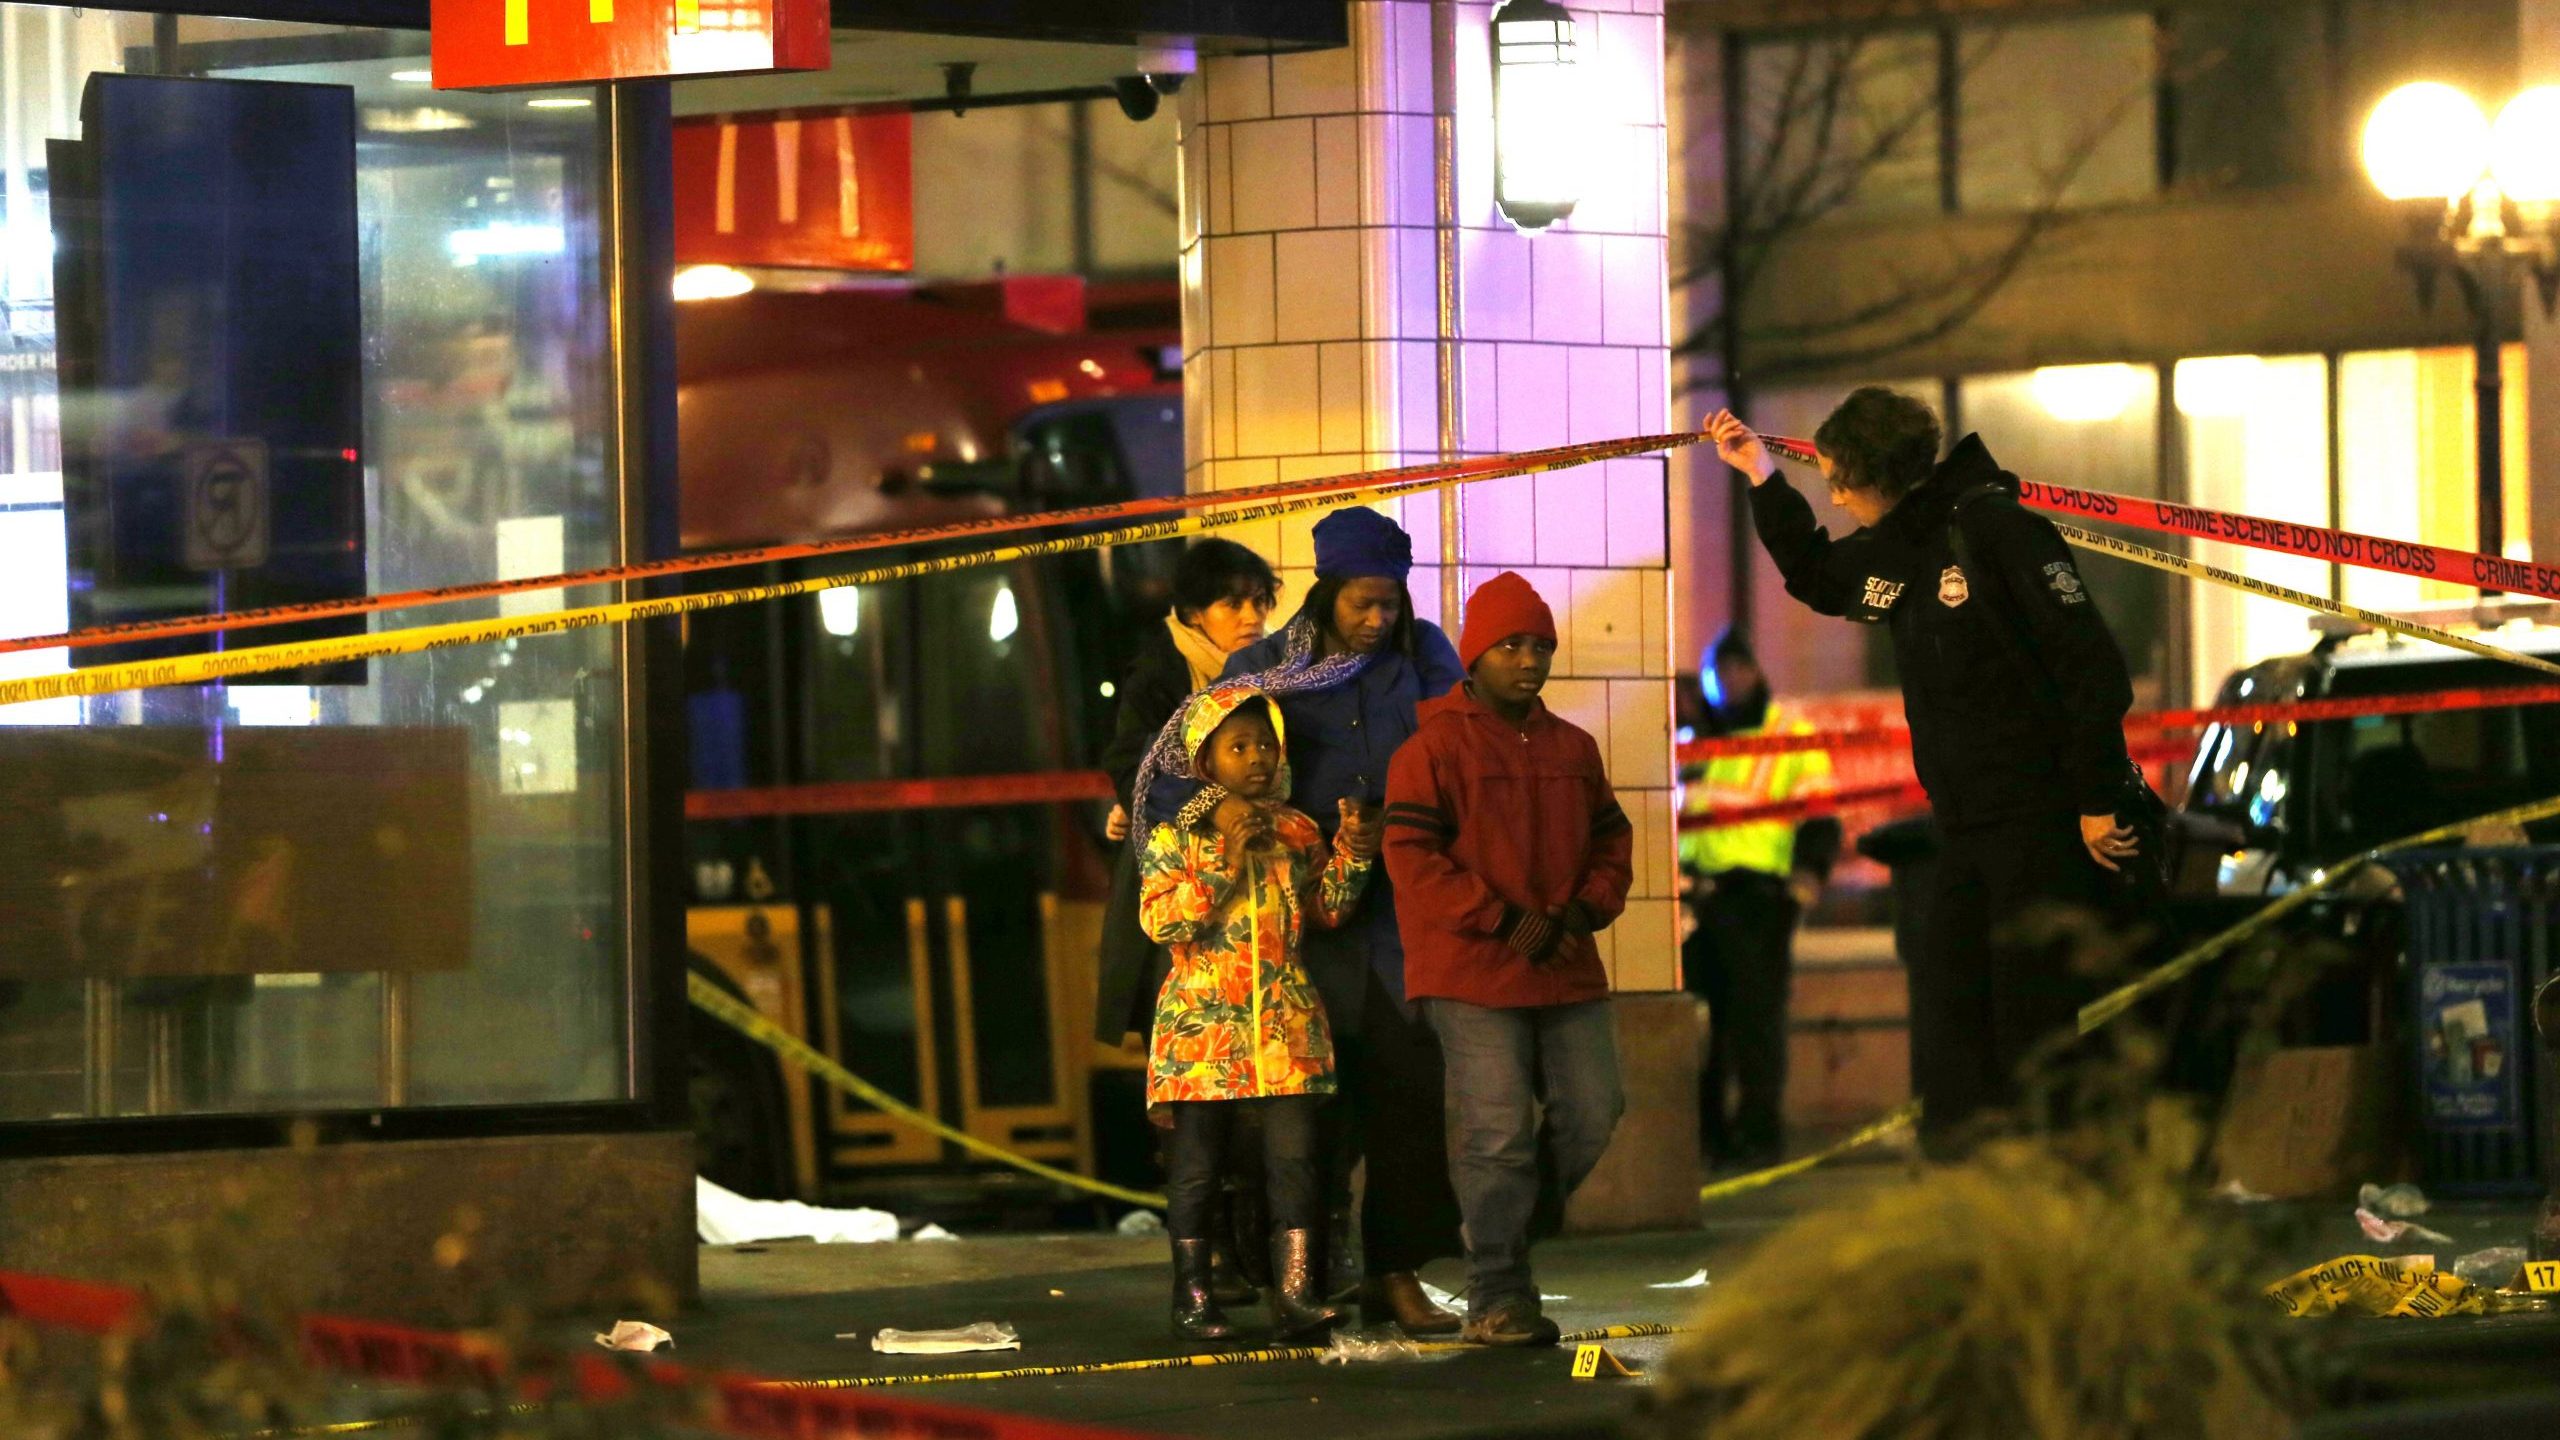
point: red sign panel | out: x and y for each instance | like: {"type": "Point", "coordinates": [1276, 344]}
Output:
{"type": "Point", "coordinates": [496, 44]}
{"type": "Point", "coordinates": [818, 192]}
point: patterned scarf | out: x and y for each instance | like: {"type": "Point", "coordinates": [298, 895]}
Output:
{"type": "Point", "coordinates": [1298, 673]}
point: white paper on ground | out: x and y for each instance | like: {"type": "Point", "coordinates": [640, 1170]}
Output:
{"type": "Point", "coordinates": [933, 1232]}
{"type": "Point", "coordinates": [635, 1335]}
{"type": "Point", "coordinates": [725, 1217]}
{"type": "Point", "coordinates": [1697, 1281]}
{"type": "Point", "coordinates": [2388, 1231]}
{"type": "Point", "coordinates": [1447, 1301]}
{"type": "Point", "coordinates": [985, 1335]}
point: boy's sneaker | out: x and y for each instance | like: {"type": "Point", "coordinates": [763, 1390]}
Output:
{"type": "Point", "coordinates": [1512, 1323]}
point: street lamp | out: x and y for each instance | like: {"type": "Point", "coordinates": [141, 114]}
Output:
{"type": "Point", "coordinates": [2480, 201]}
{"type": "Point", "coordinates": [1538, 155]}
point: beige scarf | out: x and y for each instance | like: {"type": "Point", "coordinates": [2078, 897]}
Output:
{"type": "Point", "coordinates": [1206, 660]}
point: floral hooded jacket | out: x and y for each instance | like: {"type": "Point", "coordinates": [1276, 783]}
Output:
{"type": "Point", "coordinates": [1238, 1019]}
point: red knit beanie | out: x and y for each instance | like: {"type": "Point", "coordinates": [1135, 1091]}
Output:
{"type": "Point", "coordinates": [1502, 607]}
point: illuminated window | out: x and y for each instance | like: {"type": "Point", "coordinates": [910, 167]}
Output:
{"type": "Point", "coordinates": [2094, 427]}
{"type": "Point", "coordinates": [2406, 467]}
{"type": "Point", "coordinates": [2255, 433]}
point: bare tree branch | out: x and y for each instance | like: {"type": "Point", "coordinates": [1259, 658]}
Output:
{"type": "Point", "coordinates": [1819, 152]}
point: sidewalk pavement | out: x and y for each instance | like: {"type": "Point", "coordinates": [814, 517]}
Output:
{"type": "Point", "coordinates": [777, 1309]}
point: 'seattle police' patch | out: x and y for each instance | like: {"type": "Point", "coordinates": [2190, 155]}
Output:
{"type": "Point", "coordinates": [2066, 583]}
{"type": "Point", "coordinates": [1881, 593]}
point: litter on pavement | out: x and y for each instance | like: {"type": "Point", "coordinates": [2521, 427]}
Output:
{"type": "Point", "coordinates": [961, 1340]}
{"type": "Point", "coordinates": [725, 1217]}
{"type": "Point", "coordinates": [1697, 1281]}
{"type": "Point", "coordinates": [2390, 1231]}
{"type": "Point", "coordinates": [2397, 1202]}
{"type": "Point", "coordinates": [637, 1335]}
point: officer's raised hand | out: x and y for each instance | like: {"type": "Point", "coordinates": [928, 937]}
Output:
{"type": "Point", "coordinates": [1740, 447]}
{"type": "Point", "coordinates": [2108, 841]}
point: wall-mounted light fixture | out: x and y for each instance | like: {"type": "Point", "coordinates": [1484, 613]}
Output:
{"type": "Point", "coordinates": [1538, 112]}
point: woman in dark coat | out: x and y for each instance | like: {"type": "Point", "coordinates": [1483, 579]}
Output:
{"type": "Point", "coordinates": [1222, 595]}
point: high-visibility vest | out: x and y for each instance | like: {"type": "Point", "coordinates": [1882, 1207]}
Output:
{"type": "Point", "coordinates": [1732, 781]}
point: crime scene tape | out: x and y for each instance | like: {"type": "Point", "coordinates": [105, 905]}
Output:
{"type": "Point", "coordinates": [740, 1016]}
{"type": "Point", "coordinates": [862, 797]}
{"type": "Point", "coordinates": [2276, 713]}
{"type": "Point", "coordinates": [2288, 537]}
{"type": "Point", "coordinates": [1889, 792]}
{"type": "Point", "coordinates": [2107, 1007]}
{"type": "Point", "coordinates": [1199, 1361]}
{"type": "Point", "coordinates": [1805, 807]}
{"type": "Point", "coordinates": [2198, 570]}
{"type": "Point", "coordinates": [1899, 1118]}
{"type": "Point", "coordinates": [2396, 1287]}
{"type": "Point", "coordinates": [1487, 467]}
{"type": "Point", "coordinates": [223, 664]}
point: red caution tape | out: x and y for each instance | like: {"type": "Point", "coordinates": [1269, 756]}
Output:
{"type": "Point", "coordinates": [743, 1405]}
{"type": "Point", "coordinates": [1806, 807]}
{"type": "Point", "coordinates": [2285, 537]}
{"type": "Point", "coordinates": [2288, 712]}
{"type": "Point", "coordinates": [1892, 792]}
{"type": "Point", "coordinates": [1485, 467]}
{"type": "Point", "coordinates": [863, 797]}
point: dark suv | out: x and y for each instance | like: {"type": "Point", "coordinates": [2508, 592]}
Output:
{"type": "Point", "coordinates": [2307, 795]}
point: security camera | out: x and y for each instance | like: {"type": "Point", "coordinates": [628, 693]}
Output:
{"type": "Point", "coordinates": [1138, 98]}
{"type": "Point", "coordinates": [1168, 83]}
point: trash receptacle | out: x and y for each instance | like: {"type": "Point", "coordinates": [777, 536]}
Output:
{"type": "Point", "coordinates": [2482, 929]}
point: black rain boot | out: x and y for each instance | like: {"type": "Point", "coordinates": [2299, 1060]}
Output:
{"type": "Point", "coordinates": [1296, 1312]}
{"type": "Point", "coordinates": [1196, 1315]}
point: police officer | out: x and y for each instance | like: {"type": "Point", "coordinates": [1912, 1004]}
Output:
{"type": "Point", "coordinates": [1749, 884]}
{"type": "Point", "coordinates": [2015, 693]}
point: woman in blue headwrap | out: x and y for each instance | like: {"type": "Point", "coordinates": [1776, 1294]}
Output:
{"type": "Point", "coordinates": [1347, 673]}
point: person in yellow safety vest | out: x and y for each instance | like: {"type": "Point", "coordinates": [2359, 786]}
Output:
{"type": "Point", "coordinates": [1747, 886]}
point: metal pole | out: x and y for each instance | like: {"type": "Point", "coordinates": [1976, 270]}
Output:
{"type": "Point", "coordinates": [1444, 202]}
{"type": "Point", "coordinates": [2489, 408]}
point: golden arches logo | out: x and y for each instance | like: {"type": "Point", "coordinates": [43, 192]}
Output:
{"type": "Point", "coordinates": [519, 18]}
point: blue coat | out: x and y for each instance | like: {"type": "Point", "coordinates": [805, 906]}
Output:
{"type": "Point", "coordinates": [1339, 743]}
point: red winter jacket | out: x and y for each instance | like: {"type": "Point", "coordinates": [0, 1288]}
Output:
{"type": "Point", "coordinates": [1485, 821]}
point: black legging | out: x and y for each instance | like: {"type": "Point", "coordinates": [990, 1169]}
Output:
{"type": "Point", "coordinates": [1199, 1142]}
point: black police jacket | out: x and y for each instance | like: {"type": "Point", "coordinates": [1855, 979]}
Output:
{"type": "Point", "coordinates": [2013, 687]}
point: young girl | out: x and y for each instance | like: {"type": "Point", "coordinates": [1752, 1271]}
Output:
{"type": "Point", "coordinates": [1229, 887]}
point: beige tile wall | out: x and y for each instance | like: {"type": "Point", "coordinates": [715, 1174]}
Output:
{"type": "Point", "coordinates": [1308, 327]}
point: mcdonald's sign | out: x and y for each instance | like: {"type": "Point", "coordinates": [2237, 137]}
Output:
{"type": "Point", "coordinates": [807, 191]}
{"type": "Point", "coordinates": [500, 44]}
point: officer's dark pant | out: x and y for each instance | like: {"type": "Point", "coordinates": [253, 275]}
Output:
{"type": "Point", "coordinates": [1982, 996]}
{"type": "Point", "coordinates": [1741, 962]}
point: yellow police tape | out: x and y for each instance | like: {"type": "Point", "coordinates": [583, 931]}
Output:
{"type": "Point", "coordinates": [1200, 1360]}
{"type": "Point", "coordinates": [742, 1017]}
{"type": "Point", "coordinates": [1900, 1118]}
{"type": "Point", "coordinates": [2402, 1286]}
{"type": "Point", "coordinates": [2107, 1007]}
{"type": "Point", "coordinates": [260, 659]}
{"type": "Point", "coordinates": [2198, 570]}
{"type": "Point", "coordinates": [2114, 1004]}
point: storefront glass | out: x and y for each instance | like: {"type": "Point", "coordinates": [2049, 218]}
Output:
{"type": "Point", "coordinates": [397, 882]}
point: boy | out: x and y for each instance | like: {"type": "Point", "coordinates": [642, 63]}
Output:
{"type": "Point", "coordinates": [1508, 852]}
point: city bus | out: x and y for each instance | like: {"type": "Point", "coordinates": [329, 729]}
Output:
{"type": "Point", "coordinates": [894, 829]}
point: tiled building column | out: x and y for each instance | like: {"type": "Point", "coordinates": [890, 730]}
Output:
{"type": "Point", "coordinates": [1309, 331]}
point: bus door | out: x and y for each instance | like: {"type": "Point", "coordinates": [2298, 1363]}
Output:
{"type": "Point", "coordinates": [941, 986]}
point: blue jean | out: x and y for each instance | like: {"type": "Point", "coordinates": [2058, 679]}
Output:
{"type": "Point", "coordinates": [1504, 1068]}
